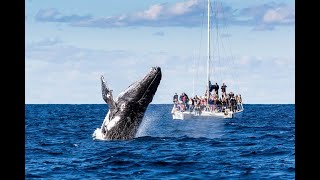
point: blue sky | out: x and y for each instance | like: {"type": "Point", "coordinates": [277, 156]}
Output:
{"type": "Point", "coordinates": [70, 44]}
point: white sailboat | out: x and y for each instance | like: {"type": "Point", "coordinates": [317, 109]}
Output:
{"type": "Point", "coordinates": [211, 111]}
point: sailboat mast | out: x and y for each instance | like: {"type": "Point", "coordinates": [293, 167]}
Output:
{"type": "Point", "coordinates": [208, 58]}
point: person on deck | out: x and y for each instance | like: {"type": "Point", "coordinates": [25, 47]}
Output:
{"type": "Point", "coordinates": [211, 87]}
{"type": "Point", "coordinates": [191, 104]}
{"type": "Point", "coordinates": [180, 97]}
{"type": "Point", "coordinates": [233, 103]}
{"type": "Point", "coordinates": [210, 104]}
{"type": "Point", "coordinates": [197, 107]}
{"type": "Point", "coordinates": [175, 99]}
{"type": "Point", "coordinates": [216, 88]}
{"type": "Point", "coordinates": [186, 99]}
{"type": "Point", "coordinates": [223, 89]}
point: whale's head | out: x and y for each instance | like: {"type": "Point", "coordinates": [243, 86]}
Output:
{"type": "Point", "coordinates": [141, 92]}
{"type": "Point", "coordinates": [127, 110]}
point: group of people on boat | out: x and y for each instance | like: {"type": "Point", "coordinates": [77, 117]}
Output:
{"type": "Point", "coordinates": [211, 101]}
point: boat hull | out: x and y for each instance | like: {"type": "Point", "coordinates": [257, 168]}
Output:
{"type": "Point", "coordinates": [176, 114]}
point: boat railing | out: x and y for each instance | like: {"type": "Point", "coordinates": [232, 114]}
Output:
{"type": "Point", "coordinates": [182, 107]}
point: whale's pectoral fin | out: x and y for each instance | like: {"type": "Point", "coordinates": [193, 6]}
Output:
{"type": "Point", "coordinates": [107, 94]}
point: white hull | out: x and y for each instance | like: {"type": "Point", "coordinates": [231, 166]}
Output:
{"type": "Point", "coordinates": [176, 114]}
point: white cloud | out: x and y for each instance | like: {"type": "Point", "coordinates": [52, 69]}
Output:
{"type": "Point", "coordinates": [182, 14]}
{"type": "Point", "coordinates": [183, 7]}
{"type": "Point", "coordinates": [152, 13]}
{"type": "Point", "coordinates": [280, 15]}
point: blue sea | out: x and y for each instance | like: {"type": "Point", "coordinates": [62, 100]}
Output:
{"type": "Point", "coordinates": [259, 145]}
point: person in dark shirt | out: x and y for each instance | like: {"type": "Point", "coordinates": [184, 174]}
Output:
{"type": "Point", "coordinates": [211, 87]}
{"type": "Point", "coordinates": [216, 88]}
{"type": "Point", "coordinates": [180, 97]}
{"type": "Point", "coordinates": [223, 89]}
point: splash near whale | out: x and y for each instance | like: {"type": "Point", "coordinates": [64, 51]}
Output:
{"type": "Point", "coordinates": [127, 110]}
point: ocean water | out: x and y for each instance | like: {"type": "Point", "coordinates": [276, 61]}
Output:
{"type": "Point", "coordinates": [259, 145]}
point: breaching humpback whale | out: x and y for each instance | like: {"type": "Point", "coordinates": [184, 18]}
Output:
{"type": "Point", "coordinates": [127, 110]}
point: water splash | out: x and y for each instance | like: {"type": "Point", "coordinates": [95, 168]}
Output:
{"type": "Point", "coordinates": [145, 125]}
{"type": "Point", "coordinates": [97, 135]}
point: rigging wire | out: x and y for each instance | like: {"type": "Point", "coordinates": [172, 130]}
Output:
{"type": "Point", "coordinates": [200, 46]}
{"type": "Point", "coordinates": [219, 17]}
{"type": "Point", "coordinates": [234, 74]}
{"type": "Point", "coordinates": [215, 53]}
